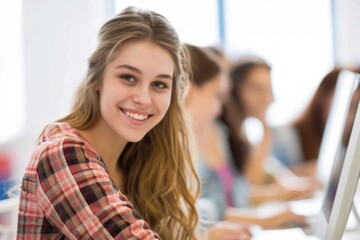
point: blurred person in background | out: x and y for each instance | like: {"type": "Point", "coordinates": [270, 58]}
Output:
{"type": "Point", "coordinates": [203, 105]}
{"type": "Point", "coordinates": [222, 185]}
{"type": "Point", "coordinates": [250, 96]}
{"type": "Point", "coordinates": [296, 144]}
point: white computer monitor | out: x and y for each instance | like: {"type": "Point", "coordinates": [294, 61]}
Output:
{"type": "Point", "coordinates": [334, 124]}
{"type": "Point", "coordinates": [342, 94]}
{"type": "Point", "coordinates": [340, 190]}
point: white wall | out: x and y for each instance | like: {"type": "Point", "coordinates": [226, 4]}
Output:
{"type": "Point", "coordinates": [295, 37]}
{"type": "Point", "coordinates": [59, 36]}
{"type": "Point", "coordinates": [11, 72]}
{"type": "Point", "coordinates": [347, 32]}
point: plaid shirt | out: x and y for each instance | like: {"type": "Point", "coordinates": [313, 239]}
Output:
{"type": "Point", "coordinates": [67, 193]}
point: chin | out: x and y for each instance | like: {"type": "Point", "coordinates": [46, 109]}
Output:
{"type": "Point", "coordinates": [135, 139]}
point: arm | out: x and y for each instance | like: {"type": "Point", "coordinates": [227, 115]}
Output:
{"type": "Point", "coordinates": [227, 231]}
{"type": "Point", "coordinates": [255, 169]}
{"type": "Point", "coordinates": [277, 192]}
{"type": "Point", "coordinates": [279, 219]}
{"type": "Point", "coordinates": [307, 169]}
{"type": "Point", "coordinates": [78, 198]}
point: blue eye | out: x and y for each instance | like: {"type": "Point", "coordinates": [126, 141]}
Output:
{"type": "Point", "coordinates": [160, 85]}
{"type": "Point", "coordinates": [128, 78]}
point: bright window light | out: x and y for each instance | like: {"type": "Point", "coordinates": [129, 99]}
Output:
{"type": "Point", "coordinates": [294, 36]}
{"type": "Point", "coordinates": [12, 109]}
{"type": "Point", "coordinates": [196, 22]}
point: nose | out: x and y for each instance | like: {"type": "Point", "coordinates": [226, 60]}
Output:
{"type": "Point", "coordinates": [142, 95]}
{"type": "Point", "coordinates": [270, 96]}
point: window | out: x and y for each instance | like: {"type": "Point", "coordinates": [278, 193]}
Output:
{"type": "Point", "coordinates": [294, 36]}
{"type": "Point", "coordinates": [11, 73]}
{"type": "Point", "coordinates": [196, 22]}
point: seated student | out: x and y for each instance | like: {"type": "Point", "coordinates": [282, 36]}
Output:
{"type": "Point", "coordinates": [221, 183]}
{"type": "Point", "coordinates": [119, 166]}
{"type": "Point", "coordinates": [297, 144]}
{"type": "Point", "coordinates": [250, 96]}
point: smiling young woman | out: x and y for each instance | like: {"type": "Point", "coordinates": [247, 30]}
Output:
{"type": "Point", "coordinates": [119, 166]}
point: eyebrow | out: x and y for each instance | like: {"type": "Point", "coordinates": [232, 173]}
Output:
{"type": "Point", "coordinates": [134, 69]}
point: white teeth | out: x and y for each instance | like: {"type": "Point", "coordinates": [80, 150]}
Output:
{"type": "Point", "coordinates": [136, 116]}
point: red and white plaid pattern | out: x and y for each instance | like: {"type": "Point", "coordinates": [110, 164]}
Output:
{"type": "Point", "coordinates": [66, 193]}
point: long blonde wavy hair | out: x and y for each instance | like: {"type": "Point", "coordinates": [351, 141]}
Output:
{"type": "Point", "coordinates": [160, 179]}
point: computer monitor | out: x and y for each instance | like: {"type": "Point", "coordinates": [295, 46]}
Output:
{"type": "Point", "coordinates": [340, 190]}
{"type": "Point", "coordinates": [334, 125]}
{"type": "Point", "coordinates": [339, 106]}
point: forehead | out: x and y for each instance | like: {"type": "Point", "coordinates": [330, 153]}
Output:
{"type": "Point", "coordinates": [144, 55]}
{"type": "Point", "coordinates": [259, 75]}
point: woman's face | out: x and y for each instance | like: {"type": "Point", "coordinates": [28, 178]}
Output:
{"type": "Point", "coordinates": [136, 90]}
{"type": "Point", "coordinates": [204, 103]}
{"type": "Point", "coordinates": [256, 92]}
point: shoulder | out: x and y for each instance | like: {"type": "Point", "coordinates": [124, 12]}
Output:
{"type": "Point", "coordinates": [60, 148]}
{"type": "Point", "coordinates": [61, 137]}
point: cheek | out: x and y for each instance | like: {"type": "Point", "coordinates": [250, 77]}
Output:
{"type": "Point", "coordinates": [249, 99]}
{"type": "Point", "coordinates": [217, 107]}
{"type": "Point", "coordinates": [247, 95]}
{"type": "Point", "coordinates": [258, 98]}
{"type": "Point", "coordinates": [163, 103]}
{"type": "Point", "coordinates": [211, 108]}
{"type": "Point", "coordinates": [108, 96]}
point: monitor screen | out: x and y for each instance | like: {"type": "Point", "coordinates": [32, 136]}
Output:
{"type": "Point", "coordinates": [334, 126]}
{"type": "Point", "coordinates": [341, 151]}
{"type": "Point", "coordinates": [344, 175]}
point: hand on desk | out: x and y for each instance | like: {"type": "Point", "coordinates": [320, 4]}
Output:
{"type": "Point", "coordinates": [286, 218]}
{"type": "Point", "coordinates": [267, 216]}
{"type": "Point", "coordinates": [229, 231]}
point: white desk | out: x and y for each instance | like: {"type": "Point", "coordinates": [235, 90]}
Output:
{"type": "Point", "coordinates": [306, 207]}
{"type": "Point", "coordinates": [351, 235]}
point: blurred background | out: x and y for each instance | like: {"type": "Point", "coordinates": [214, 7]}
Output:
{"type": "Point", "coordinates": [44, 47]}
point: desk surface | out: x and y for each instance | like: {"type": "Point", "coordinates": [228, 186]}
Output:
{"type": "Point", "coordinates": [351, 235]}
{"type": "Point", "coordinates": [305, 207]}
